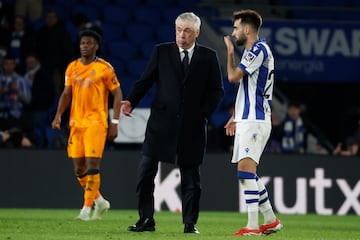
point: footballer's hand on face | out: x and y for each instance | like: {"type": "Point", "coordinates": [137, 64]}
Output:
{"type": "Point", "coordinates": [229, 44]}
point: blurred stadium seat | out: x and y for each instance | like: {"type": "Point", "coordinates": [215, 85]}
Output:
{"type": "Point", "coordinates": [117, 15]}
{"type": "Point", "coordinates": [147, 15]}
{"type": "Point", "coordinates": [123, 50]}
{"type": "Point", "coordinates": [139, 33]}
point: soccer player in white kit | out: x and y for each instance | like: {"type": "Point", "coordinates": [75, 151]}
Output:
{"type": "Point", "coordinates": [251, 121]}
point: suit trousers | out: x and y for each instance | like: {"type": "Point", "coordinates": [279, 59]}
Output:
{"type": "Point", "coordinates": [190, 190]}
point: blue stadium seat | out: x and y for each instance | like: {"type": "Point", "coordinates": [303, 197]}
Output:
{"type": "Point", "coordinates": [111, 32]}
{"type": "Point", "coordinates": [311, 14]}
{"type": "Point", "coordinates": [348, 16]}
{"type": "Point", "coordinates": [147, 49]}
{"type": "Point", "coordinates": [147, 15]}
{"type": "Point", "coordinates": [169, 14]}
{"type": "Point", "coordinates": [117, 15]}
{"type": "Point", "coordinates": [127, 3]}
{"type": "Point", "coordinates": [305, 3]}
{"type": "Point", "coordinates": [118, 65]}
{"type": "Point", "coordinates": [335, 3]}
{"type": "Point", "coordinates": [165, 32]}
{"type": "Point", "coordinates": [139, 33]}
{"type": "Point", "coordinates": [136, 67]}
{"type": "Point", "coordinates": [355, 3]}
{"type": "Point", "coordinates": [160, 3]}
{"type": "Point", "coordinates": [126, 82]}
{"type": "Point", "coordinates": [123, 50]}
{"type": "Point", "coordinates": [208, 12]}
{"type": "Point", "coordinates": [100, 4]}
{"type": "Point", "coordinates": [187, 4]}
{"type": "Point", "coordinates": [281, 2]}
{"type": "Point", "coordinates": [91, 12]}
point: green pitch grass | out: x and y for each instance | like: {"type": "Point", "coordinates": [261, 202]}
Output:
{"type": "Point", "coordinates": [58, 224]}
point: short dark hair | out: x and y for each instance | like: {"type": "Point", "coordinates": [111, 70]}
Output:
{"type": "Point", "coordinates": [249, 16]}
{"type": "Point", "coordinates": [90, 33]}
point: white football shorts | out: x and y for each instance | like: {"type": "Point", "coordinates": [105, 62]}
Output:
{"type": "Point", "coordinates": [250, 140]}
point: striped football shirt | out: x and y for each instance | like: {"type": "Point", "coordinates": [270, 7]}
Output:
{"type": "Point", "coordinates": [253, 100]}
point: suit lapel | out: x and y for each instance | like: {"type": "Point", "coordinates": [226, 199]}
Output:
{"type": "Point", "coordinates": [194, 59]}
{"type": "Point", "coordinates": [176, 60]}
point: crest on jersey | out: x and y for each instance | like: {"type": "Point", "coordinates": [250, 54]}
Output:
{"type": "Point", "coordinates": [249, 57]}
{"type": "Point", "coordinates": [254, 137]}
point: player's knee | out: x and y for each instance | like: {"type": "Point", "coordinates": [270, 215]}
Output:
{"type": "Point", "coordinates": [80, 171]}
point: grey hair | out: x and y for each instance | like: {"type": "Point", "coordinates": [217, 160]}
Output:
{"type": "Point", "coordinates": [189, 17]}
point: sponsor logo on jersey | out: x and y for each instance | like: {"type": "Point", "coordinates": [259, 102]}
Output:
{"type": "Point", "coordinates": [250, 57]}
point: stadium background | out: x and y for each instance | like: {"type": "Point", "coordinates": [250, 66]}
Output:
{"type": "Point", "coordinates": [130, 30]}
{"type": "Point", "coordinates": [329, 92]}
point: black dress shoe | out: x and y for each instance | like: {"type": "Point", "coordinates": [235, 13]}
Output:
{"type": "Point", "coordinates": [144, 224]}
{"type": "Point", "coordinates": [190, 228]}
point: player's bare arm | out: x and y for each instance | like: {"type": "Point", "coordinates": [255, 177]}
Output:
{"type": "Point", "coordinates": [113, 127]}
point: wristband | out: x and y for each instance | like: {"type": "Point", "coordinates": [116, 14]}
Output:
{"type": "Point", "coordinates": [115, 121]}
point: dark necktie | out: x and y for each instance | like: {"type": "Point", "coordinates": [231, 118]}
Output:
{"type": "Point", "coordinates": [185, 61]}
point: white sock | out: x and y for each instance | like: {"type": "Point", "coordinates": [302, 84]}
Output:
{"type": "Point", "coordinates": [99, 199]}
{"type": "Point", "coordinates": [253, 219]}
{"type": "Point", "coordinates": [264, 203]}
{"type": "Point", "coordinates": [86, 210]}
{"type": "Point", "coordinates": [251, 193]}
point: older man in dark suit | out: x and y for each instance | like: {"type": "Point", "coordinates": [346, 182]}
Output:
{"type": "Point", "coordinates": [189, 87]}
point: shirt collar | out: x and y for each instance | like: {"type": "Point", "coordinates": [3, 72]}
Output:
{"type": "Point", "coordinates": [190, 50]}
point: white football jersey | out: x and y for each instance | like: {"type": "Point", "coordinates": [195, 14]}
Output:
{"type": "Point", "coordinates": [254, 96]}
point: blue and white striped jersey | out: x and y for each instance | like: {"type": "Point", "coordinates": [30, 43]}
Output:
{"type": "Point", "coordinates": [253, 100]}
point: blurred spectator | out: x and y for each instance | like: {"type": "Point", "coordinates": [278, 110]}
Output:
{"type": "Point", "coordinates": [29, 9]}
{"type": "Point", "coordinates": [14, 90]}
{"type": "Point", "coordinates": [43, 97]}
{"type": "Point", "coordinates": [54, 47]}
{"type": "Point", "coordinates": [22, 42]}
{"type": "Point", "coordinates": [5, 30]}
{"type": "Point", "coordinates": [14, 138]}
{"type": "Point", "coordinates": [3, 53]}
{"type": "Point", "coordinates": [292, 130]}
{"type": "Point", "coordinates": [351, 145]}
{"type": "Point", "coordinates": [274, 144]}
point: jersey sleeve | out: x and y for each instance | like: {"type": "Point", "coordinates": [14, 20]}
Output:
{"type": "Point", "coordinates": [68, 74]}
{"type": "Point", "coordinates": [110, 79]}
{"type": "Point", "coordinates": [252, 60]}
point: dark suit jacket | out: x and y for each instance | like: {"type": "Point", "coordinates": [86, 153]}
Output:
{"type": "Point", "coordinates": [176, 129]}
